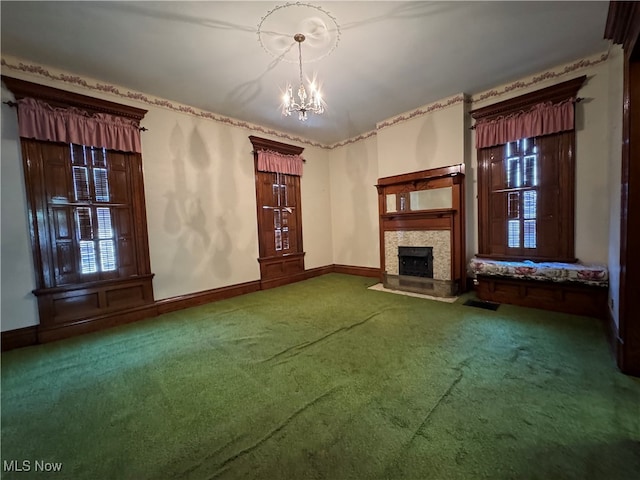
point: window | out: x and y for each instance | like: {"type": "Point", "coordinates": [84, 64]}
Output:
{"type": "Point", "coordinates": [525, 195]}
{"type": "Point", "coordinates": [521, 164]}
{"type": "Point", "coordinates": [85, 212]}
{"type": "Point", "coordinates": [279, 212]}
{"type": "Point", "coordinates": [86, 207]}
{"type": "Point", "coordinates": [94, 229]}
{"type": "Point", "coordinates": [278, 167]}
{"type": "Point", "coordinates": [526, 175]}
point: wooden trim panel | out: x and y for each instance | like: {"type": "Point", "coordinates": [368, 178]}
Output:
{"type": "Point", "coordinates": [623, 27]}
{"type": "Point", "coordinates": [21, 337]}
{"type": "Point", "coordinates": [200, 298]}
{"type": "Point", "coordinates": [555, 93]}
{"type": "Point", "coordinates": [430, 175]}
{"type": "Point", "coordinates": [80, 327]}
{"type": "Point", "coordinates": [360, 271]}
{"type": "Point", "coordinates": [559, 297]}
{"type": "Point", "coordinates": [63, 98]}
{"type": "Point", "coordinates": [284, 148]}
{"type": "Point", "coordinates": [318, 271]}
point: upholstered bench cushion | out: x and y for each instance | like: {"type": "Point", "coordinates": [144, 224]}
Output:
{"type": "Point", "coordinates": [588, 274]}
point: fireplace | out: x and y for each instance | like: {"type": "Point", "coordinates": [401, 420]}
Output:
{"type": "Point", "coordinates": [415, 261]}
{"type": "Point", "coordinates": [422, 237]}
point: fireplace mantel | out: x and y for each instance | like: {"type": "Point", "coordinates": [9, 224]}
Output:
{"type": "Point", "coordinates": [441, 212]}
{"type": "Point", "coordinates": [429, 203]}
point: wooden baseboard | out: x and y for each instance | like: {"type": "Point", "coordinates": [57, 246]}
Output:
{"type": "Point", "coordinates": [316, 272]}
{"type": "Point", "coordinates": [24, 337]}
{"type": "Point", "coordinates": [281, 281]}
{"type": "Point", "coordinates": [307, 274]}
{"type": "Point", "coordinates": [200, 298]}
{"type": "Point", "coordinates": [21, 337]}
{"type": "Point", "coordinates": [361, 271]}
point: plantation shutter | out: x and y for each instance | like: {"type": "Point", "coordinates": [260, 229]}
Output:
{"type": "Point", "coordinates": [88, 202]}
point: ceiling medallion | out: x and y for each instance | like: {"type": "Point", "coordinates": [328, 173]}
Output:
{"type": "Point", "coordinates": [301, 22]}
{"type": "Point", "coordinates": [277, 28]}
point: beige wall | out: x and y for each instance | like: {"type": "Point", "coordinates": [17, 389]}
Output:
{"type": "Point", "coordinates": [200, 200]}
{"type": "Point", "coordinates": [316, 208]}
{"type": "Point", "coordinates": [354, 204]}
{"type": "Point", "coordinates": [18, 305]}
{"type": "Point", "coordinates": [200, 197]}
{"type": "Point", "coordinates": [435, 139]}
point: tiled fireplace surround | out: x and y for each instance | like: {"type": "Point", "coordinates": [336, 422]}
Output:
{"type": "Point", "coordinates": [440, 240]}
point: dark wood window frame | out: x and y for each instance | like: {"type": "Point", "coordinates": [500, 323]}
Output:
{"type": "Point", "coordinates": [68, 301]}
{"type": "Point", "coordinates": [555, 193]}
{"type": "Point", "coordinates": [278, 266]}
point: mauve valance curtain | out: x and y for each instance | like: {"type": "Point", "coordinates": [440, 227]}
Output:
{"type": "Point", "coordinates": [39, 120]}
{"type": "Point", "coordinates": [542, 119]}
{"type": "Point", "coordinates": [270, 161]}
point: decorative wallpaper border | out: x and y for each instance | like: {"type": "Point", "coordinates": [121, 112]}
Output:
{"type": "Point", "coordinates": [556, 72]}
{"type": "Point", "coordinates": [149, 100]}
{"type": "Point", "coordinates": [355, 139]}
{"type": "Point", "coordinates": [418, 112]}
{"type": "Point", "coordinates": [549, 74]}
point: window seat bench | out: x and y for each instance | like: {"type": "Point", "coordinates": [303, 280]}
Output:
{"type": "Point", "coordinates": [575, 288]}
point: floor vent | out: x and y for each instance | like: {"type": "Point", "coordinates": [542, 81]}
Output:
{"type": "Point", "coordinates": [481, 304]}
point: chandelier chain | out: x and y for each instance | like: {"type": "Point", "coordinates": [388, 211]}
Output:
{"type": "Point", "coordinates": [300, 60]}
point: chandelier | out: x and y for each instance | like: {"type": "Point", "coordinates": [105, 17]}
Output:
{"type": "Point", "coordinates": [311, 102]}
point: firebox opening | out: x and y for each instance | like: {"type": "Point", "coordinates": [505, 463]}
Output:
{"type": "Point", "coordinates": [415, 261]}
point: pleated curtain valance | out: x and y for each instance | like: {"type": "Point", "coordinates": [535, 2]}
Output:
{"type": "Point", "coordinates": [270, 161]}
{"type": "Point", "coordinates": [542, 119]}
{"type": "Point", "coordinates": [41, 121]}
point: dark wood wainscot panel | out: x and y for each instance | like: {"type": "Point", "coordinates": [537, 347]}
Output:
{"type": "Point", "coordinates": [571, 298]}
{"type": "Point", "coordinates": [65, 306]}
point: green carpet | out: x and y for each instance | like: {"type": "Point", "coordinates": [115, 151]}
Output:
{"type": "Point", "coordinates": [325, 379]}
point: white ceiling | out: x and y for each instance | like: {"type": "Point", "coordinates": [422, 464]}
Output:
{"type": "Point", "coordinates": [390, 57]}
